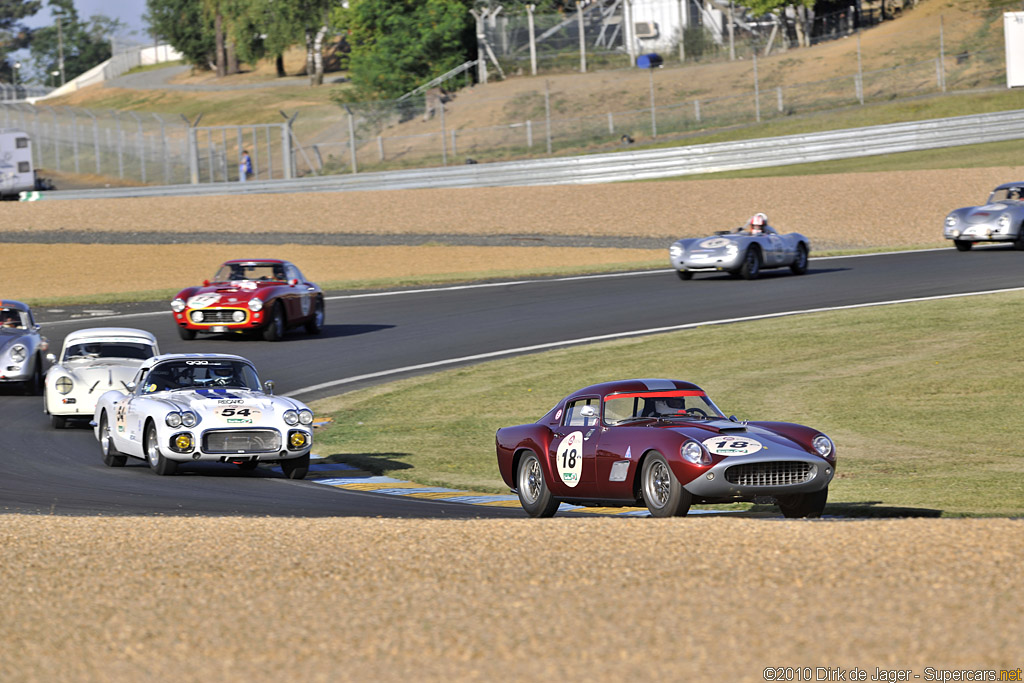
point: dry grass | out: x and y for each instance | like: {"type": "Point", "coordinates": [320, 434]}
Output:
{"type": "Point", "coordinates": [581, 600]}
{"type": "Point", "coordinates": [41, 272]}
{"type": "Point", "coordinates": [838, 210]}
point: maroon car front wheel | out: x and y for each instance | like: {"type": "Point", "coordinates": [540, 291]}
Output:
{"type": "Point", "coordinates": [663, 494]}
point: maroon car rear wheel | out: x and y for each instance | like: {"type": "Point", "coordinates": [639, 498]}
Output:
{"type": "Point", "coordinates": [663, 494]}
{"type": "Point", "coordinates": [534, 494]}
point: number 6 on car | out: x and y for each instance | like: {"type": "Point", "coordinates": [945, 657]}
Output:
{"type": "Point", "coordinates": [663, 444]}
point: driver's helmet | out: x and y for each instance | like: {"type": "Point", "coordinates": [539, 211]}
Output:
{"type": "Point", "coordinates": [669, 406]}
{"type": "Point", "coordinates": [757, 223]}
{"type": "Point", "coordinates": [223, 372]}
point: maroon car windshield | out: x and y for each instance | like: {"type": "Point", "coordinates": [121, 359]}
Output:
{"type": "Point", "coordinates": [679, 404]}
{"type": "Point", "coordinates": [263, 272]}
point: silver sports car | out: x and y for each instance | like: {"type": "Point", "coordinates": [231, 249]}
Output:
{"type": "Point", "coordinates": [21, 347]}
{"type": "Point", "coordinates": [744, 252]}
{"type": "Point", "coordinates": [1000, 220]}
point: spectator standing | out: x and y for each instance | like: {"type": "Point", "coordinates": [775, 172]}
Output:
{"type": "Point", "coordinates": [244, 166]}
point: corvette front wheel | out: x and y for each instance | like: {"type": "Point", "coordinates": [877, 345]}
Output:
{"type": "Point", "coordinates": [156, 459]}
{"type": "Point", "coordinates": [296, 468]}
{"type": "Point", "coordinates": [663, 494]}
{"type": "Point", "coordinates": [534, 494]}
{"type": "Point", "coordinates": [684, 275]}
{"type": "Point", "coordinates": [803, 504]}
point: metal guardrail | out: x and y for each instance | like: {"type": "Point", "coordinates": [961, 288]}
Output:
{"type": "Point", "coordinates": [621, 166]}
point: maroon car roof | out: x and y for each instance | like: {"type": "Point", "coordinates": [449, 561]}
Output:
{"type": "Point", "coordinates": [254, 260]}
{"type": "Point", "coordinates": [635, 385]}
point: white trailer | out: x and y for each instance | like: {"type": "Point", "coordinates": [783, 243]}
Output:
{"type": "Point", "coordinates": [16, 171]}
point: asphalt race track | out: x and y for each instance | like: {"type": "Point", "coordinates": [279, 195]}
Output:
{"type": "Point", "coordinates": [46, 471]}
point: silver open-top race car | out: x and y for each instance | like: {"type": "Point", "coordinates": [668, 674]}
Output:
{"type": "Point", "coordinates": [744, 251]}
{"type": "Point", "coordinates": [93, 361]}
{"type": "Point", "coordinates": [1001, 219]}
{"type": "Point", "coordinates": [21, 347]}
{"type": "Point", "coordinates": [182, 407]}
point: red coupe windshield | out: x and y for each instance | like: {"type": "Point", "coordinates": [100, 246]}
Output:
{"type": "Point", "coordinates": [658, 404]}
{"type": "Point", "coordinates": [264, 272]}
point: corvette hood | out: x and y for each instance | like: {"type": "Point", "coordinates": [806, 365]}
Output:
{"type": "Point", "coordinates": [204, 401]}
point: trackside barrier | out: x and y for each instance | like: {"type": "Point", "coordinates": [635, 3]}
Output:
{"type": "Point", "coordinates": [637, 165]}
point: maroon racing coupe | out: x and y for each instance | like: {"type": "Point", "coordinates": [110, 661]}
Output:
{"type": "Point", "coordinates": [664, 444]}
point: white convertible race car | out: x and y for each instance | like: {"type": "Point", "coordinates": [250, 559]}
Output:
{"type": "Point", "coordinates": [182, 407]}
{"type": "Point", "coordinates": [92, 361]}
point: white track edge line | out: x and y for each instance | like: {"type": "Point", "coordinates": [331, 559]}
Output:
{"type": "Point", "coordinates": [631, 333]}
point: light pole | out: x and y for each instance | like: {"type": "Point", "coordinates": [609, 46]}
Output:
{"type": "Point", "coordinates": [17, 66]}
{"type": "Point", "coordinates": [53, 81]}
{"type": "Point", "coordinates": [60, 47]}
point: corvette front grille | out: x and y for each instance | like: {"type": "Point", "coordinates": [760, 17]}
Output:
{"type": "Point", "coordinates": [240, 441]}
{"type": "Point", "coordinates": [218, 316]}
{"type": "Point", "coordinates": [770, 473]}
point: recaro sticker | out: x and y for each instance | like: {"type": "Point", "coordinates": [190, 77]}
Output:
{"type": "Point", "coordinates": [725, 444]}
{"type": "Point", "coordinates": [570, 459]}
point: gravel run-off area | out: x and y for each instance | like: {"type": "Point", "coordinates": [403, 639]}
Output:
{"type": "Point", "coordinates": [839, 211]}
{"type": "Point", "coordinates": [184, 599]}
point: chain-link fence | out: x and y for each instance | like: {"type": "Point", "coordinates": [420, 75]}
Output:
{"type": "Point", "coordinates": [543, 117]}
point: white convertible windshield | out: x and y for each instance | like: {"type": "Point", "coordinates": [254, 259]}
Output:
{"type": "Point", "coordinates": [108, 349]}
{"type": "Point", "coordinates": [677, 404]}
{"type": "Point", "coordinates": [201, 374]}
{"type": "Point", "coordinates": [263, 272]}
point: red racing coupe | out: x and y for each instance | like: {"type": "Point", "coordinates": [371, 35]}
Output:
{"type": "Point", "coordinates": [265, 296]}
{"type": "Point", "coordinates": [664, 444]}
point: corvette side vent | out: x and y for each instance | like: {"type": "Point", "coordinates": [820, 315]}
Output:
{"type": "Point", "coordinates": [770, 473]}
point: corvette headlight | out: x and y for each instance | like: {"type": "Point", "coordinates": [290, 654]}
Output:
{"type": "Point", "coordinates": [173, 420]}
{"type": "Point", "coordinates": [238, 316]}
{"type": "Point", "coordinates": [189, 419]}
{"type": "Point", "coordinates": [178, 305]}
{"type": "Point", "coordinates": [18, 353]}
{"type": "Point", "coordinates": [183, 442]}
{"type": "Point", "coordinates": [290, 417]}
{"type": "Point", "coordinates": [197, 316]}
{"type": "Point", "coordinates": [823, 445]}
{"type": "Point", "coordinates": [64, 385]}
{"type": "Point", "coordinates": [1004, 221]}
{"type": "Point", "coordinates": [693, 452]}
{"type": "Point", "coordinates": [306, 417]}
{"type": "Point", "coordinates": [675, 251]}
{"type": "Point", "coordinates": [951, 221]}
{"type": "Point", "coordinates": [255, 304]}
{"type": "Point", "coordinates": [297, 440]}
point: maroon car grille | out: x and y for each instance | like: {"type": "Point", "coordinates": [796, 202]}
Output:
{"type": "Point", "coordinates": [770, 473]}
{"type": "Point", "coordinates": [218, 315]}
{"type": "Point", "coordinates": [240, 441]}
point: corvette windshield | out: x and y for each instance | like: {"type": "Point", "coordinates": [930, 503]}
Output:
{"type": "Point", "coordinates": [108, 349]}
{"type": "Point", "coordinates": [200, 374]}
{"type": "Point", "coordinates": [262, 272]}
{"type": "Point", "coordinates": [671, 405]}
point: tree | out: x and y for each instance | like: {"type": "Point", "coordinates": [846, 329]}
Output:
{"type": "Point", "coordinates": [83, 45]}
{"type": "Point", "coordinates": [13, 35]}
{"type": "Point", "coordinates": [399, 44]}
{"type": "Point", "coordinates": [185, 25]}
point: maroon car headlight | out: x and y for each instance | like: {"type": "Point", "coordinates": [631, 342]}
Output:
{"type": "Point", "coordinates": [255, 304]}
{"type": "Point", "coordinates": [178, 305]}
{"type": "Point", "coordinates": [693, 452]}
{"type": "Point", "coordinates": [823, 445]}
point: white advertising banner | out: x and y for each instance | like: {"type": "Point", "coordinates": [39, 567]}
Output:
{"type": "Point", "coordinates": [1013, 30]}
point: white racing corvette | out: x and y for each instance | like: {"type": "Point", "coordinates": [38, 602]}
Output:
{"type": "Point", "coordinates": [93, 361]}
{"type": "Point", "coordinates": [209, 407]}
